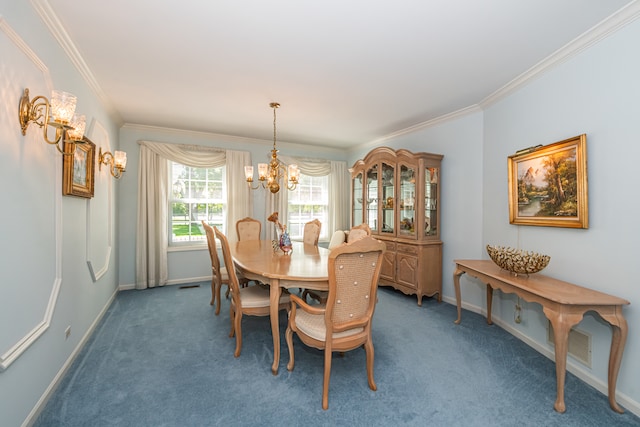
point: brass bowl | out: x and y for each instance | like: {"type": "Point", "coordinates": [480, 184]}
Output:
{"type": "Point", "coordinates": [517, 261]}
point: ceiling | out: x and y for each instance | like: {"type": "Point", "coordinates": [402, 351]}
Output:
{"type": "Point", "coordinates": [346, 73]}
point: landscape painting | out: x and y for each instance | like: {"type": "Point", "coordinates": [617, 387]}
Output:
{"type": "Point", "coordinates": [548, 185]}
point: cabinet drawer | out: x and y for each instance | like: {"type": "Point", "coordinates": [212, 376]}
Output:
{"type": "Point", "coordinates": [407, 249]}
{"type": "Point", "coordinates": [391, 246]}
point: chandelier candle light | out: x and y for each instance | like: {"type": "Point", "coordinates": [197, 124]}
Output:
{"type": "Point", "coordinates": [270, 174]}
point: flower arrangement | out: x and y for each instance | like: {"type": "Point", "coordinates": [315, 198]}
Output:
{"type": "Point", "coordinates": [274, 218]}
{"type": "Point", "coordinates": [283, 242]}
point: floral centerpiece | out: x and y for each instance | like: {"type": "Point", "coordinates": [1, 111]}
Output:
{"type": "Point", "coordinates": [283, 241]}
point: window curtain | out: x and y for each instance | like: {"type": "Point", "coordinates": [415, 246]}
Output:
{"type": "Point", "coordinates": [152, 238]}
{"type": "Point", "coordinates": [339, 180]}
{"type": "Point", "coordinates": [239, 197]}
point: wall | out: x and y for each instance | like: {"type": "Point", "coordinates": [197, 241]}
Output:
{"type": "Point", "coordinates": [49, 240]}
{"type": "Point", "coordinates": [192, 264]}
{"type": "Point", "coordinates": [460, 141]}
{"type": "Point", "coordinates": [596, 93]}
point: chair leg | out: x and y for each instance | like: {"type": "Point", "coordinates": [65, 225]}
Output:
{"type": "Point", "coordinates": [217, 296]}
{"type": "Point", "coordinates": [368, 346]}
{"type": "Point", "coordinates": [238, 327]}
{"type": "Point", "coordinates": [232, 316]}
{"type": "Point", "coordinates": [325, 381]}
{"type": "Point", "coordinates": [213, 292]}
{"type": "Point", "coordinates": [289, 337]}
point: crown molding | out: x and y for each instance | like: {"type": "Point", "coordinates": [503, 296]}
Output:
{"type": "Point", "coordinates": [417, 127]}
{"type": "Point", "coordinates": [599, 32]}
{"type": "Point", "coordinates": [51, 20]}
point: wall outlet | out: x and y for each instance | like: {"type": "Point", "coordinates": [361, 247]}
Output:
{"type": "Point", "coordinates": [67, 332]}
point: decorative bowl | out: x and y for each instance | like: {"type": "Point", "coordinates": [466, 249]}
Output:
{"type": "Point", "coordinates": [517, 261]}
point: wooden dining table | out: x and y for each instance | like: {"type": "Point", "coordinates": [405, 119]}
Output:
{"type": "Point", "coordinates": [305, 267]}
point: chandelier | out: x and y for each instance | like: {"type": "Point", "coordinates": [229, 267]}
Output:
{"type": "Point", "coordinates": [270, 174]}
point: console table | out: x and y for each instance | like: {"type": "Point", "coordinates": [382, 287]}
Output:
{"type": "Point", "coordinates": [563, 303]}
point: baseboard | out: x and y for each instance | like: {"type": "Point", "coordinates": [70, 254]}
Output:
{"type": "Point", "coordinates": [622, 399]}
{"type": "Point", "coordinates": [131, 286]}
{"type": "Point", "coordinates": [37, 409]}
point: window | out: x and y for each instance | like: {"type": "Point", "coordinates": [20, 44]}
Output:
{"type": "Point", "coordinates": [309, 201]}
{"type": "Point", "coordinates": [196, 194]}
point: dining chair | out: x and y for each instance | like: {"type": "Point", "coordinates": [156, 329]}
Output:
{"type": "Point", "coordinates": [311, 232]}
{"type": "Point", "coordinates": [338, 238]}
{"type": "Point", "coordinates": [344, 323]}
{"type": "Point", "coordinates": [252, 300]}
{"type": "Point", "coordinates": [220, 276]}
{"type": "Point", "coordinates": [248, 229]}
{"type": "Point", "coordinates": [358, 232]}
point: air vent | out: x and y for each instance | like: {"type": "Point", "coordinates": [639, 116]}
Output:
{"type": "Point", "coordinates": [579, 344]}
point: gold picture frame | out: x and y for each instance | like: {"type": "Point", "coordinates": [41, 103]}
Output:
{"type": "Point", "coordinates": [78, 171]}
{"type": "Point", "coordinates": [548, 185]}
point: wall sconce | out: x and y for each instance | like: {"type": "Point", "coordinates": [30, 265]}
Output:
{"type": "Point", "coordinates": [117, 162]}
{"type": "Point", "coordinates": [57, 113]}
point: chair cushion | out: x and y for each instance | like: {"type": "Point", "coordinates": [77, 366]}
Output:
{"type": "Point", "coordinates": [337, 239]}
{"type": "Point", "coordinates": [313, 326]}
{"type": "Point", "coordinates": [258, 296]}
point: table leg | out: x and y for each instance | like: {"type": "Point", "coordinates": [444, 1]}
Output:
{"type": "Point", "coordinates": [562, 324]}
{"type": "Point", "coordinates": [456, 285]}
{"type": "Point", "coordinates": [618, 340]}
{"type": "Point", "coordinates": [274, 300]}
{"type": "Point", "coordinates": [489, 304]}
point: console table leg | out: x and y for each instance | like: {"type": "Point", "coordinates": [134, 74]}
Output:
{"type": "Point", "coordinates": [489, 304]}
{"type": "Point", "coordinates": [618, 340]}
{"type": "Point", "coordinates": [456, 285]}
{"type": "Point", "coordinates": [561, 323]}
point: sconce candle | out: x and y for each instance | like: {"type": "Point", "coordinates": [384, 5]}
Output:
{"type": "Point", "coordinates": [57, 113]}
{"type": "Point", "coordinates": [63, 106]}
{"type": "Point", "coordinates": [117, 162]}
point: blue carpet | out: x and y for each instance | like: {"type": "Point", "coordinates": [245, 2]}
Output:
{"type": "Point", "coordinates": [160, 357]}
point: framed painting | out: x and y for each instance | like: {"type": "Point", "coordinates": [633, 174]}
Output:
{"type": "Point", "coordinates": [78, 170]}
{"type": "Point", "coordinates": [548, 185]}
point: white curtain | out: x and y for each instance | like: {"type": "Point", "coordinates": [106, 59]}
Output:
{"type": "Point", "coordinates": [340, 196]}
{"type": "Point", "coordinates": [239, 197]}
{"type": "Point", "coordinates": [152, 237]}
{"type": "Point", "coordinates": [339, 184]}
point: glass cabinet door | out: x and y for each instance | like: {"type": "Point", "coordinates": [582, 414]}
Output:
{"type": "Point", "coordinates": [407, 201]}
{"type": "Point", "coordinates": [431, 176]}
{"type": "Point", "coordinates": [371, 204]}
{"type": "Point", "coordinates": [356, 214]}
{"type": "Point", "coordinates": [387, 197]}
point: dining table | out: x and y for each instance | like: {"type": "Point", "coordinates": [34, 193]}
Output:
{"type": "Point", "coordinates": [305, 266]}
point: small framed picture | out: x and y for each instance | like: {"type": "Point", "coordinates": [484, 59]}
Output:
{"type": "Point", "coordinates": [548, 185]}
{"type": "Point", "coordinates": [78, 170]}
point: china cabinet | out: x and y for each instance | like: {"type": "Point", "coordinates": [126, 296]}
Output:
{"type": "Point", "coordinates": [397, 193]}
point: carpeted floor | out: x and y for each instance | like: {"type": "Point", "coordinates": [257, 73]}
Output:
{"type": "Point", "coordinates": [160, 357]}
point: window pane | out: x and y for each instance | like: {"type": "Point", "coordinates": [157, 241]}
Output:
{"type": "Point", "coordinates": [310, 200]}
{"type": "Point", "coordinates": [197, 194]}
